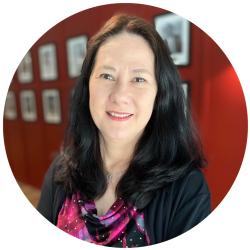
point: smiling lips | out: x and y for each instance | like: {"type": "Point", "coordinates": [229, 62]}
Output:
{"type": "Point", "coordinates": [119, 116]}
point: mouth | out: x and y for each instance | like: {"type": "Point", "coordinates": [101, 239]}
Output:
{"type": "Point", "coordinates": [119, 116]}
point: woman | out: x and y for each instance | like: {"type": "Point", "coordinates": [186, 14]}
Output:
{"type": "Point", "coordinates": [129, 171]}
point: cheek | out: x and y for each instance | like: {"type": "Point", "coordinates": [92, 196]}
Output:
{"type": "Point", "coordinates": [97, 98]}
{"type": "Point", "coordinates": [145, 105]}
{"type": "Point", "coordinates": [93, 101]}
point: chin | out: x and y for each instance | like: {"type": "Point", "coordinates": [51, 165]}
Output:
{"type": "Point", "coordinates": [123, 136]}
{"type": "Point", "coordinates": [112, 134]}
{"type": "Point", "coordinates": [120, 137]}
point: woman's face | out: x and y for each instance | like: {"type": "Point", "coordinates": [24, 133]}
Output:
{"type": "Point", "coordinates": [122, 87]}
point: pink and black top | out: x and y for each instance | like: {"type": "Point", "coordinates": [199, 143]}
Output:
{"type": "Point", "coordinates": [173, 210]}
{"type": "Point", "coordinates": [122, 225]}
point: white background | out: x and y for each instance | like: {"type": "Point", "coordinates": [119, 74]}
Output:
{"type": "Point", "coordinates": [23, 22]}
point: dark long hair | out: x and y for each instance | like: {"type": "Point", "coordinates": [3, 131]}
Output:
{"type": "Point", "coordinates": [169, 146]}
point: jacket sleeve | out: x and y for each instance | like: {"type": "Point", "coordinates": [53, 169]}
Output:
{"type": "Point", "coordinates": [192, 204]}
{"type": "Point", "coordinates": [46, 199]}
{"type": "Point", "coordinates": [46, 204]}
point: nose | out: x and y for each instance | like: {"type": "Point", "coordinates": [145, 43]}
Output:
{"type": "Point", "coordinates": [120, 93]}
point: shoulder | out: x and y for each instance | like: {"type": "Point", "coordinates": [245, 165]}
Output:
{"type": "Point", "coordinates": [54, 166]}
{"type": "Point", "coordinates": [193, 183]}
{"type": "Point", "coordinates": [179, 206]}
{"type": "Point", "coordinates": [190, 187]}
{"type": "Point", "coordinates": [50, 177]}
{"type": "Point", "coordinates": [52, 194]}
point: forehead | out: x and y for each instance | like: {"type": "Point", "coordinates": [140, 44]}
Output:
{"type": "Point", "coordinates": [126, 48]}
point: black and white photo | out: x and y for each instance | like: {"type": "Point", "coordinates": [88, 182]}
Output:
{"type": "Point", "coordinates": [51, 106]}
{"type": "Point", "coordinates": [10, 112]}
{"type": "Point", "coordinates": [28, 105]}
{"type": "Point", "coordinates": [76, 50]}
{"type": "Point", "coordinates": [175, 31]}
{"type": "Point", "coordinates": [25, 70]}
{"type": "Point", "coordinates": [48, 62]}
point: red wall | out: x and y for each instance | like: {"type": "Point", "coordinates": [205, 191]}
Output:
{"type": "Point", "coordinates": [216, 96]}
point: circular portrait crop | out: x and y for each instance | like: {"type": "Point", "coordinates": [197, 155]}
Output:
{"type": "Point", "coordinates": [139, 121]}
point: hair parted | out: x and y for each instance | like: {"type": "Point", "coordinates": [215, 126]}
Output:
{"type": "Point", "coordinates": [169, 146]}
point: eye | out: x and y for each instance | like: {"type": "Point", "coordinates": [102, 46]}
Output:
{"type": "Point", "coordinates": [107, 76]}
{"type": "Point", "coordinates": [139, 80]}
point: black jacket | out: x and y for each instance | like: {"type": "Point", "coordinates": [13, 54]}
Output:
{"type": "Point", "coordinates": [174, 209]}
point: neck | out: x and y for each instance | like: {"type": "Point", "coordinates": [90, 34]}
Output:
{"type": "Point", "coordinates": [116, 155]}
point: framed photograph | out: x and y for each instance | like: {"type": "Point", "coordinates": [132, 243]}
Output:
{"type": "Point", "coordinates": [10, 111]}
{"type": "Point", "coordinates": [28, 105]}
{"type": "Point", "coordinates": [175, 31]}
{"type": "Point", "coordinates": [76, 51]}
{"type": "Point", "coordinates": [51, 106]}
{"type": "Point", "coordinates": [48, 62]}
{"type": "Point", "coordinates": [25, 70]}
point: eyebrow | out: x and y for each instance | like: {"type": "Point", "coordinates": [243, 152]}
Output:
{"type": "Point", "coordinates": [139, 70]}
{"type": "Point", "coordinates": [107, 67]}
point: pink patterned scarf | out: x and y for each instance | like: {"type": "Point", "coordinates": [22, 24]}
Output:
{"type": "Point", "coordinates": [122, 225]}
